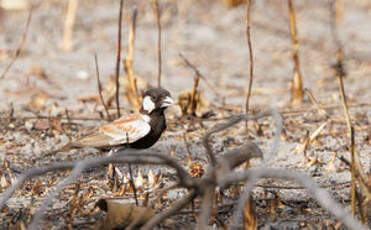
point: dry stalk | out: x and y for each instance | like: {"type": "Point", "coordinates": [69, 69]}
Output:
{"type": "Point", "coordinates": [250, 221]}
{"type": "Point", "coordinates": [69, 123]}
{"type": "Point", "coordinates": [100, 87]}
{"type": "Point", "coordinates": [339, 8]}
{"type": "Point", "coordinates": [356, 170]}
{"type": "Point", "coordinates": [118, 59]}
{"type": "Point", "coordinates": [297, 94]}
{"type": "Point", "coordinates": [21, 45]}
{"type": "Point", "coordinates": [248, 36]}
{"type": "Point", "coordinates": [131, 181]}
{"type": "Point", "coordinates": [211, 87]}
{"type": "Point", "coordinates": [69, 22]}
{"type": "Point", "coordinates": [131, 88]}
{"type": "Point", "coordinates": [195, 84]}
{"type": "Point", "coordinates": [189, 155]}
{"type": "Point", "coordinates": [156, 8]}
{"type": "Point", "coordinates": [194, 94]}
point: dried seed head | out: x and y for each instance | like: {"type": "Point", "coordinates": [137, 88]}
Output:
{"type": "Point", "coordinates": [196, 169]}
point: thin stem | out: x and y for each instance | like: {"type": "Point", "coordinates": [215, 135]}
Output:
{"type": "Point", "coordinates": [100, 87]}
{"type": "Point", "coordinates": [118, 60]}
{"type": "Point", "coordinates": [159, 56]}
{"type": "Point", "coordinates": [248, 36]}
{"type": "Point", "coordinates": [20, 47]}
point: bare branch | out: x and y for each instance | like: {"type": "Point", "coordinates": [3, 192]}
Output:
{"type": "Point", "coordinates": [321, 195]}
{"type": "Point", "coordinates": [236, 157]}
{"type": "Point", "coordinates": [236, 119]}
{"type": "Point", "coordinates": [176, 206]}
{"type": "Point", "coordinates": [79, 168]}
{"type": "Point", "coordinates": [206, 206]}
{"type": "Point", "coordinates": [136, 157]}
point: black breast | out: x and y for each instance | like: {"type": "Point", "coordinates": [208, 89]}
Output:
{"type": "Point", "coordinates": [158, 126]}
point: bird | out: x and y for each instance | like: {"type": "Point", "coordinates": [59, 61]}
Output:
{"type": "Point", "coordinates": [137, 130]}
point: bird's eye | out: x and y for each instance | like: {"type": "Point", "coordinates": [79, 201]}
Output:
{"type": "Point", "coordinates": [153, 98]}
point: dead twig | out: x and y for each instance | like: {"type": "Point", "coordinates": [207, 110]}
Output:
{"type": "Point", "coordinates": [195, 84]}
{"type": "Point", "coordinates": [118, 60]}
{"type": "Point", "coordinates": [100, 87]}
{"type": "Point", "coordinates": [248, 36]}
{"type": "Point", "coordinates": [355, 168]}
{"type": "Point", "coordinates": [156, 9]}
{"type": "Point", "coordinates": [297, 94]}
{"type": "Point", "coordinates": [211, 87]}
{"type": "Point", "coordinates": [21, 45]}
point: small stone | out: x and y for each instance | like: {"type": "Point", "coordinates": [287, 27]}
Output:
{"type": "Point", "coordinates": [82, 74]}
{"type": "Point", "coordinates": [28, 125]}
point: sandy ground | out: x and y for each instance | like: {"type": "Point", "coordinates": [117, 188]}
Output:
{"type": "Point", "coordinates": [213, 38]}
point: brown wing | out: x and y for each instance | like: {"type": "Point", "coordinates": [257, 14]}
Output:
{"type": "Point", "coordinates": [127, 129]}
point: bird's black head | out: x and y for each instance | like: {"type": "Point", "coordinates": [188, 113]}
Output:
{"type": "Point", "coordinates": [156, 99]}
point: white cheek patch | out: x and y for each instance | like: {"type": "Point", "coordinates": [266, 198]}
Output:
{"type": "Point", "coordinates": [148, 104]}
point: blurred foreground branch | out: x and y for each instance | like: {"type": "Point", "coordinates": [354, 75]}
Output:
{"type": "Point", "coordinates": [219, 173]}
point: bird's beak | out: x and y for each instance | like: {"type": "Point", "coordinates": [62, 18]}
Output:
{"type": "Point", "coordinates": [167, 102]}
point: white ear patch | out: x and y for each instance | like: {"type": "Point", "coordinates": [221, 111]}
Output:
{"type": "Point", "coordinates": [148, 104]}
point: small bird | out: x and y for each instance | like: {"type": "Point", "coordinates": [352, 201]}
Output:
{"type": "Point", "coordinates": [138, 130]}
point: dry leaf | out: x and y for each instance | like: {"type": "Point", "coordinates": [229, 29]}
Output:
{"type": "Point", "coordinates": [121, 214]}
{"type": "Point", "coordinates": [139, 180]}
{"type": "Point", "coordinates": [302, 146]}
{"type": "Point", "coordinates": [36, 188]}
{"type": "Point", "coordinates": [151, 178]}
{"type": "Point", "coordinates": [331, 165]}
{"type": "Point", "coordinates": [316, 132]}
{"type": "Point", "coordinates": [42, 124]}
{"type": "Point", "coordinates": [38, 101]}
{"type": "Point", "coordinates": [89, 98]}
{"type": "Point", "coordinates": [3, 182]}
{"type": "Point", "coordinates": [39, 72]}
